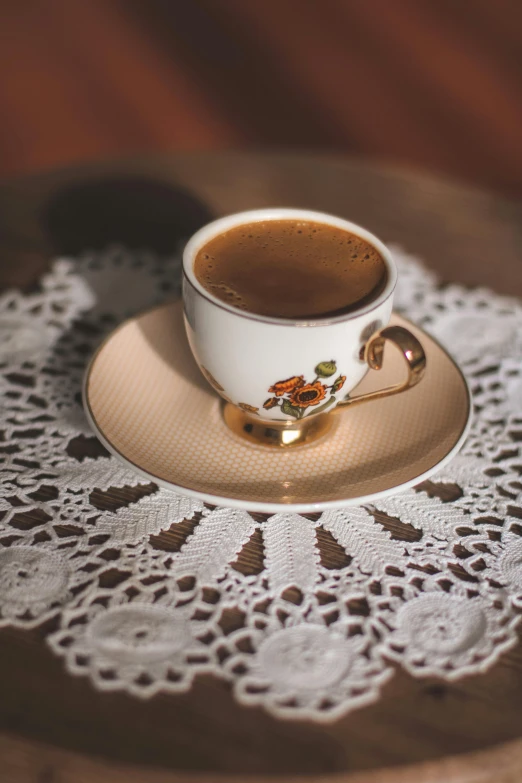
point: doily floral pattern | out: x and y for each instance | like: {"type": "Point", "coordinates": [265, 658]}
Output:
{"type": "Point", "coordinates": [294, 635]}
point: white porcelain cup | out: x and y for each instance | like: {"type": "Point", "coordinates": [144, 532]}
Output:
{"type": "Point", "coordinates": [281, 370]}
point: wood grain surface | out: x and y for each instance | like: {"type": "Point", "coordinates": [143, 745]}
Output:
{"type": "Point", "coordinates": [432, 83]}
{"type": "Point", "coordinates": [55, 728]}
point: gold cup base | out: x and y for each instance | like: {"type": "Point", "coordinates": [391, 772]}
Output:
{"type": "Point", "coordinates": [275, 434]}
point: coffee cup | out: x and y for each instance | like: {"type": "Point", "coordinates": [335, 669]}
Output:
{"type": "Point", "coordinates": [283, 377]}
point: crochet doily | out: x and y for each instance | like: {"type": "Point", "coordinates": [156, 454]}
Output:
{"type": "Point", "coordinates": [298, 637]}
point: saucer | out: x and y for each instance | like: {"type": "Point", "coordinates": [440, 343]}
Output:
{"type": "Point", "coordinates": [149, 404]}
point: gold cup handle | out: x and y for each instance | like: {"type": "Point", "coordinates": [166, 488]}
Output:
{"type": "Point", "coordinates": [373, 353]}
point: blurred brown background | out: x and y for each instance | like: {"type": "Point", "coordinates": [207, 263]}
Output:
{"type": "Point", "coordinates": [435, 84]}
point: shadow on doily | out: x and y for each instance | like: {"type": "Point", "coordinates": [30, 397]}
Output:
{"type": "Point", "coordinates": [133, 211]}
{"type": "Point", "coordinates": [136, 213]}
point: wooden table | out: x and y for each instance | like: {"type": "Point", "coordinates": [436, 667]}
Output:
{"type": "Point", "coordinates": [57, 729]}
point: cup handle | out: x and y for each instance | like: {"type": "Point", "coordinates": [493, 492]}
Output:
{"type": "Point", "coordinates": [373, 353]}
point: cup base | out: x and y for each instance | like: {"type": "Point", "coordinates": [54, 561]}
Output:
{"type": "Point", "coordinates": [274, 434]}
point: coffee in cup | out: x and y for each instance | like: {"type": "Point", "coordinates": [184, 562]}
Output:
{"type": "Point", "coordinates": [291, 269]}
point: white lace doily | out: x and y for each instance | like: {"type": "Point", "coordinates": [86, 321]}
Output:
{"type": "Point", "coordinates": [444, 601]}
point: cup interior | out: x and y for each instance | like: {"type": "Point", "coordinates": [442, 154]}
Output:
{"type": "Point", "coordinates": [221, 225]}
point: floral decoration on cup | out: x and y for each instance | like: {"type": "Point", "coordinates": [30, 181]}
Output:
{"type": "Point", "coordinates": [294, 396]}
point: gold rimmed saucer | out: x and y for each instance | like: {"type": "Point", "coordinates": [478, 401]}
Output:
{"type": "Point", "coordinates": [150, 406]}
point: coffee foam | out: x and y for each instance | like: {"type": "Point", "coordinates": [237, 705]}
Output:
{"type": "Point", "coordinates": [291, 269]}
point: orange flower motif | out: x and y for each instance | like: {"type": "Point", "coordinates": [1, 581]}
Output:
{"type": "Point", "coordinates": [339, 383]}
{"type": "Point", "coordinates": [270, 403]}
{"type": "Point", "coordinates": [285, 387]}
{"type": "Point", "coordinates": [311, 394]}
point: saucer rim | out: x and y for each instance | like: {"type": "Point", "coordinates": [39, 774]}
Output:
{"type": "Point", "coordinates": [263, 507]}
